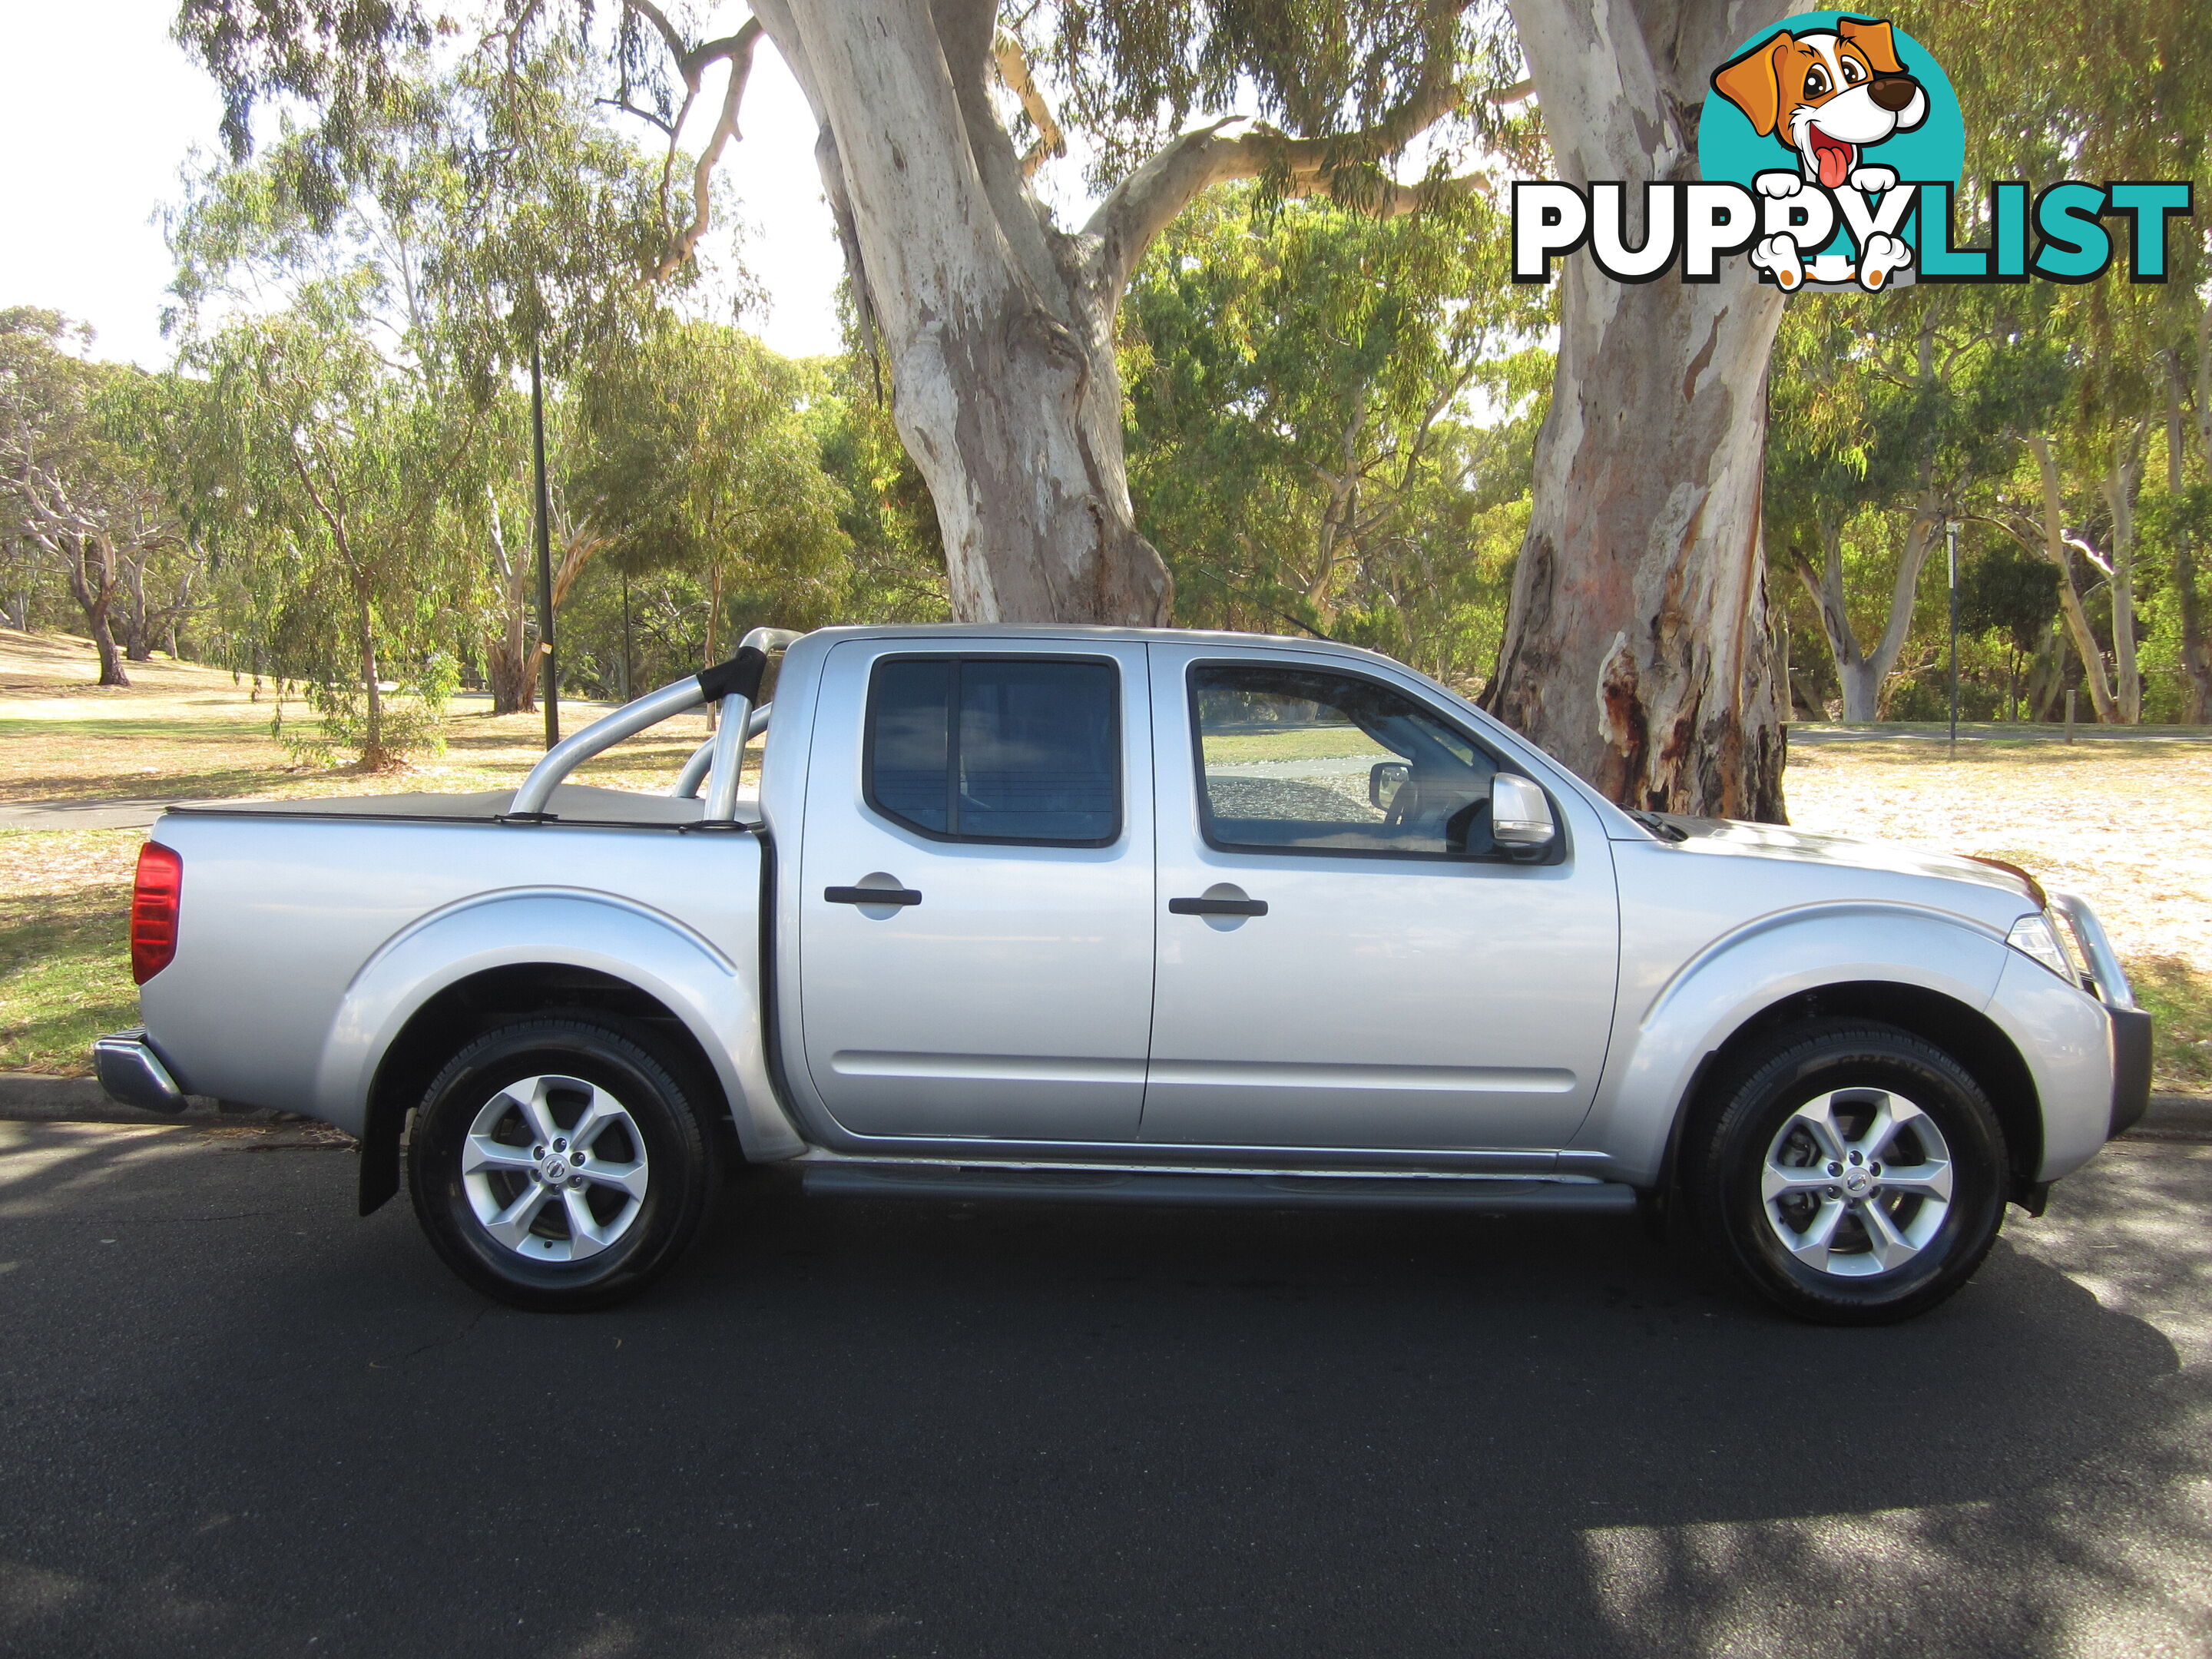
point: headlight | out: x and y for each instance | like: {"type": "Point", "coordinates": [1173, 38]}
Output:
{"type": "Point", "coordinates": [2034, 936]}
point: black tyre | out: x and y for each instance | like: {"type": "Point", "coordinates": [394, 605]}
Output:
{"type": "Point", "coordinates": [560, 1165]}
{"type": "Point", "coordinates": [1854, 1174]}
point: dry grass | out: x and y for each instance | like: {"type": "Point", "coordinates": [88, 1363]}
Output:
{"type": "Point", "coordinates": [64, 952]}
{"type": "Point", "coordinates": [2126, 823]}
{"type": "Point", "coordinates": [181, 732]}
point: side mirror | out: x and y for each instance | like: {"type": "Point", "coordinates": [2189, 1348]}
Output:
{"type": "Point", "coordinates": [1520, 813]}
{"type": "Point", "coordinates": [1384, 780]}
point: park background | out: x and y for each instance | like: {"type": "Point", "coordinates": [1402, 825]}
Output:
{"type": "Point", "coordinates": [266, 516]}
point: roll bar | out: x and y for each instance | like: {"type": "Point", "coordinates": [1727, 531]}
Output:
{"type": "Point", "coordinates": [734, 685]}
{"type": "Point", "coordinates": [695, 770]}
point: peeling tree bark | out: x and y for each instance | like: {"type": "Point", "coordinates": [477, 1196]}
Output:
{"type": "Point", "coordinates": [996, 329]}
{"type": "Point", "coordinates": [1636, 647]}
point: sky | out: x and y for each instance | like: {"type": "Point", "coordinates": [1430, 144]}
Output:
{"type": "Point", "coordinates": [99, 110]}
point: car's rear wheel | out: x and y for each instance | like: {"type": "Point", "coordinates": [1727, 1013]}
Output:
{"type": "Point", "coordinates": [1854, 1174]}
{"type": "Point", "coordinates": [559, 1164]}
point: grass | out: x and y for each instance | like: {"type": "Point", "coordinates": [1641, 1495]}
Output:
{"type": "Point", "coordinates": [2180, 999]}
{"type": "Point", "coordinates": [184, 732]}
{"type": "Point", "coordinates": [1292, 742]}
{"type": "Point", "coordinates": [2127, 822]}
{"type": "Point", "coordinates": [65, 945]}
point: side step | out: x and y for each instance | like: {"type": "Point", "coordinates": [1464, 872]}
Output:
{"type": "Point", "coordinates": [1479, 1194]}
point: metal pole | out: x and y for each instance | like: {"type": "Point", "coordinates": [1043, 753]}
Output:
{"type": "Point", "coordinates": [2070, 717]}
{"type": "Point", "coordinates": [1950, 543]}
{"type": "Point", "coordinates": [625, 673]}
{"type": "Point", "coordinates": [551, 688]}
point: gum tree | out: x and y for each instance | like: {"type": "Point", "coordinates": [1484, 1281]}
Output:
{"type": "Point", "coordinates": [74, 486]}
{"type": "Point", "coordinates": [1637, 644]}
{"type": "Point", "coordinates": [326, 473]}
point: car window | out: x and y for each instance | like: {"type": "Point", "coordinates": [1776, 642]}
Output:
{"type": "Point", "coordinates": [997, 748]}
{"type": "Point", "coordinates": [1304, 760]}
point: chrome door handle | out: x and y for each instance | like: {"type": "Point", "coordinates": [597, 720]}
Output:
{"type": "Point", "coordinates": [1216, 906]}
{"type": "Point", "coordinates": [872, 895]}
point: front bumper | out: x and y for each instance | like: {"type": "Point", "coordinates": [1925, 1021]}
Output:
{"type": "Point", "coordinates": [2105, 980]}
{"type": "Point", "coordinates": [2131, 1067]}
{"type": "Point", "coordinates": [133, 1073]}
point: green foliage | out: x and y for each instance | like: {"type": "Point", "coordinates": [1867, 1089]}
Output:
{"type": "Point", "coordinates": [1138, 72]}
{"type": "Point", "coordinates": [2010, 593]}
{"type": "Point", "coordinates": [1303, 385]}
{"type": "Point", "coordinates": [485, 211]}
{"type": "Point", "coordinates": [695, 450]}
{"type": "Point", "coordinates": [324, 473]}
{"type": "Point", "coordinates": [82, 448]}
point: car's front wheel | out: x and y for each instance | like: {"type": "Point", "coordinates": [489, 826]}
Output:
{"type": "Point", "coordinates": [559, 1164]}
{"type": "Point", "coordinates": [1854, 1174]}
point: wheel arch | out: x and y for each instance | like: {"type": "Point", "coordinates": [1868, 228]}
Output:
{"type": "Point", "coordinates": [534, 952]}
{"type": "Point", "coordinates": [1964, 1032]}
{"type": "Point", "coordinates": [497, 996]}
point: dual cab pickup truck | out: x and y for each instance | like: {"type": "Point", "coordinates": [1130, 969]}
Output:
{"type": "Point", "coordinates": [1110, 915]}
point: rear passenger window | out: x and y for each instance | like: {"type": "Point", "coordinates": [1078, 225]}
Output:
{"type": "Point", "coordinates": [997, 748]}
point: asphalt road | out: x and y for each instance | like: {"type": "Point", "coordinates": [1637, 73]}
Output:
{"type": "Point", "coordinates": [235, 1420]}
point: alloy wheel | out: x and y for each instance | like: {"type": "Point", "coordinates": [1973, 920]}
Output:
{"type": "Point", "coordinates": [555, 1168]}
{"type": "Point", "coordinates": [1856, 1183]}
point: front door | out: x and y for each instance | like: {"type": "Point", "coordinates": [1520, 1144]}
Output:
{"type": "Point", "coordinates": [1410, 984]}
{"type": "Point", "coordinates": [1000, 802]}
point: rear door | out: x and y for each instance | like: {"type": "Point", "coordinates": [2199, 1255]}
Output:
{"type": "Point", "coordinates": [1001, 802]}
{"type": "Point", "coordinates": [1410, 985]}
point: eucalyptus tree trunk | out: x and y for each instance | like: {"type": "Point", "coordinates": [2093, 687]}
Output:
{"type": "Point", "coordinates": [996, 329]}
{"type": "Point", "coordinates": [995, 326]}
{"type": "Point", "coordinates": [88, 564]}
{"type": "Point", "coordinates": [1636, 647]}
{"type": "Point", "coordinates": [2070, 597]}
{"type": "Point", "coordinates": [374, 757]}
{"type": "Point", "coordinates": [2196, 653]}
{"type": "Point", "coordinates": [2119, 488]}
{"type": "Point", "coordinates": [1863, 673]}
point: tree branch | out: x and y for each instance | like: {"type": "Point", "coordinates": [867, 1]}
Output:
{"type": "Point", "coordinates": [1148, 200]}
{"type": "Point", "coordinates": [1014, 69]}
{"type": "Point", "coordinates": [659, 19]}
{"type": "Point", "coordinates": [650, 119]}
{"type": "Point", "coordinates": [738, 50]}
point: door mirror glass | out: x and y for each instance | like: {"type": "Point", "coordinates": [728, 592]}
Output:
{"type": "Point", "coordinates": [1520, 814]}
{"type": "Point", "coordinates": [1384, 780]}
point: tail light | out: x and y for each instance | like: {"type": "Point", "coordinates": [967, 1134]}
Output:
{"type": "Point", "coordinates": [154, 910]}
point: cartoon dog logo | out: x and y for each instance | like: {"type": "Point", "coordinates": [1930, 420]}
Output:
{"type": "Point", "coordinates": [1830, 95]}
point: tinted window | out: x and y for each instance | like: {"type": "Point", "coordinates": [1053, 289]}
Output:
{"type": "Point", "coordinates": [908, 741]}
{"type": "Point", "coordinates": [1029, 753]}
{"type": "Point", "coordinates": [1303, 760]}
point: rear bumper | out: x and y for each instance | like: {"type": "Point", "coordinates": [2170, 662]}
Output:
{"type": "Point", "coordinates": [133, 1073]}
{"type": "Point", "coordinates": [2131, 1030]}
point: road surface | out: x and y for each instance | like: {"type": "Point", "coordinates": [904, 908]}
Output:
{"type": "Point", "coordinates": [235, 1420]}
